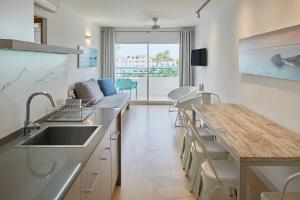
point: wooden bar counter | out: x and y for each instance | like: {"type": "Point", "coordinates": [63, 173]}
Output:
{"type": "Point", "coordinates": [250, 138]}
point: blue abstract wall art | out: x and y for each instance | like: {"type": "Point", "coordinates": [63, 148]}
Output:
{"type": "Point", "coordinates": [89, 58]}
{"type": "Point", "coordinates": [274, 54]}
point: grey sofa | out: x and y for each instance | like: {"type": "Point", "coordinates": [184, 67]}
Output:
{"type": "Point", "coordinates": [90, 89]}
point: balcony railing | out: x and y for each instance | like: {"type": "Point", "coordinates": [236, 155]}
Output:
{"type": "Point", "coordinates": [134, 81]}
{"type": "Point", "coordinates": [126, 72]}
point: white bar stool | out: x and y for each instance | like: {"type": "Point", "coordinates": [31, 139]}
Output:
{"type": "Point", "coordinates": [193, 157]}
{"type": "Point", "coordinates": [215, 174]}
{"type": "Point", "coordinates": [203, 132]}
{"type": "Point", "coordinates": [215, 149]}
{"type": "Point", "coordinates": [216, 152]}
{"type": "Point", "coordinates": [225, 170]}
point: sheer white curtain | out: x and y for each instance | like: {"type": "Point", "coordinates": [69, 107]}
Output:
{"type": "Point", "coordinates": [107, 52]}
{"type": "Point", "coordinates": [186, 45]}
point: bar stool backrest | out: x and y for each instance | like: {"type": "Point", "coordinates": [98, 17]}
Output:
{"type": "Point", "coordinates": [200, 143]}
{"type": "Point", "coordinates": [288, 180]}
{"type": "Point", "coordinates": [209, 98]}
{"type": "Point", "coordinates": [185, 123]}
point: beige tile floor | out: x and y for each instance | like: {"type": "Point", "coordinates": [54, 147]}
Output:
{"type": "Point", "coordinates": [151, 168]}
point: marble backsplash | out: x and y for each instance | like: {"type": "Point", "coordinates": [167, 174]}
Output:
{"type": "Point", "coordinates": [22, 73]}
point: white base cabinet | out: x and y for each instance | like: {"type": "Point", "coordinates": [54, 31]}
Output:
{"type": "Point", "coordinates": [98, 177]}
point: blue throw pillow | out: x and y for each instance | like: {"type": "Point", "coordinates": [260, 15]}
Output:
{"type": "Point", "coordinates": [107, 86]}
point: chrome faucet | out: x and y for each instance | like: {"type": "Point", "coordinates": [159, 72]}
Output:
{"type": "Point", "coordinates": [28, 125]}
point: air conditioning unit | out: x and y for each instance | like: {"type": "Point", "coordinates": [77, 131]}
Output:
{"type": "Point", "coordinates": [46, 5]}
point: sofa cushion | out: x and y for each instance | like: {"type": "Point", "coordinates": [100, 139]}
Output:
{"type": "Point", "coordinates": [118, 100]}
{"type": "Point", "coordinates": [107, 86]}
{"type": "Point", "coordinates": [88, 90]}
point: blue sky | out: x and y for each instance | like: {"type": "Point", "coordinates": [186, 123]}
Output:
{"type": "Point", "coordinates": [141, 49]}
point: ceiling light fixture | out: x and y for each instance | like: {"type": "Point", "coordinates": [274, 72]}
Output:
{"type": "Point", "coordinates": [88, 37]}
{"type": "Point", "coordinates": [203, 5]}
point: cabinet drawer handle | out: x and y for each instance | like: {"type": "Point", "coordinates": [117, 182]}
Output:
{"type": "Point", "coordinates": [96, 174]}
{"type": "Point", "coordinates": [103, 158]}
{"type": "Point", "coordinates": [106, 152]}
{"type": "Point", "coordinates": [116, 135]}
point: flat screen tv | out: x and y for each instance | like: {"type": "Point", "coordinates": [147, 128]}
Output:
{"type": "Point", "coordinates": [199, 57]}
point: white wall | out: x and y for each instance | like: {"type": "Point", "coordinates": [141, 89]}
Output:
{"type": "Point", "coordinates": [69, 29]}
{"type": "Point", "coordinates": [221, 25]}
{"type": "Point", "coordinates": [16, 19]}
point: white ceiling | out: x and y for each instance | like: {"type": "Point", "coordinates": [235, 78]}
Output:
{"type": "Point", "coordinates": [137, 13]}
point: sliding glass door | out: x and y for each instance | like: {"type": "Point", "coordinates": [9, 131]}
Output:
{"type": "Point", "coordinates": [147, 71]}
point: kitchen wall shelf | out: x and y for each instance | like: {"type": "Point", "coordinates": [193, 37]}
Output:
{"type": "Point", "coordinates": [18, 45]}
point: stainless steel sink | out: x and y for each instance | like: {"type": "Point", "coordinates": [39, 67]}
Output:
{"type": "Point", "coordinates": [61, 136]}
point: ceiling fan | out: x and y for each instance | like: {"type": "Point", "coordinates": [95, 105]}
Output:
{"type": "Point", "coordinates": [156, 25]}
